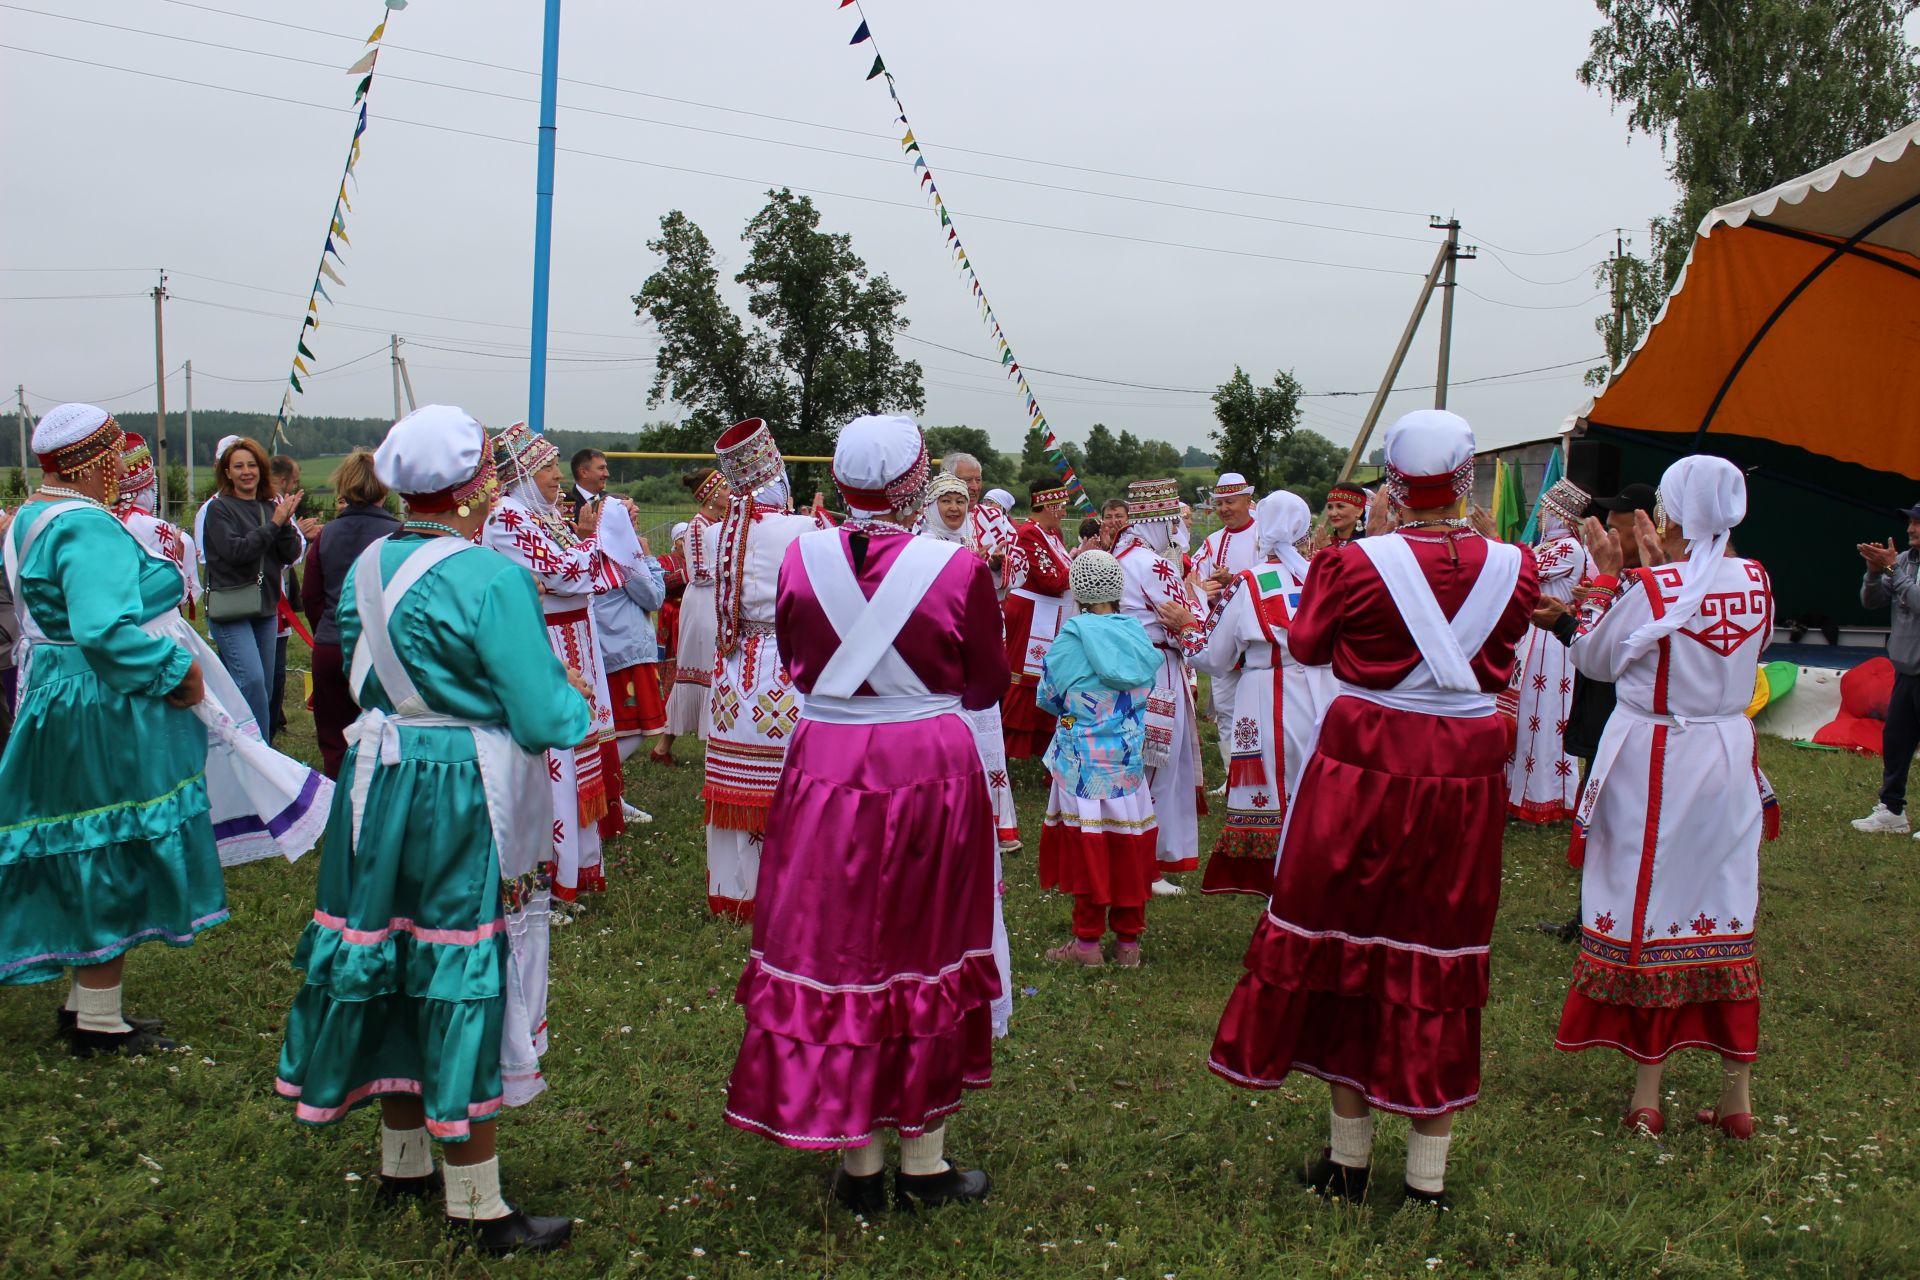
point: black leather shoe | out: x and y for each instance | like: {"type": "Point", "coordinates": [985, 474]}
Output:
{"type": "Point", "coordinates": [69, 1022]}
{"type": "Point", "coordinates": [865, 1195]}
{"type": "Point", "coordinates": [1438, 1201]}
{"type": "Point", "coordinates": [516, 1233]}
{"type": "Point", "coordinates": [87, 1043]}
{"type": "Point", "coordinates": [392, 1193]}
{"type": "Point", "coordinates": [931, 1189]}
{"type": "Point", "coordinates": [1331, 1181]}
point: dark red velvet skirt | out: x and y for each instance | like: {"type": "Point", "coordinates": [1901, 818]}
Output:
{"type": "Point", "coordinates": [1028, 730]}
{"type": "Point", "coordinates": [639, 710]}
{"type": "Point", "coordinates": [1369, 968]}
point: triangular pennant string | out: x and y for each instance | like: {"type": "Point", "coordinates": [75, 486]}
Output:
{"type": "Point", "coordinates": [362, 69]}
{"type": "Point", "coordinates": [910, 147]}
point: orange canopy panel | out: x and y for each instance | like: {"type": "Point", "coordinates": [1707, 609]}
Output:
{"type": "Point", "coordinates": [1796, 321]}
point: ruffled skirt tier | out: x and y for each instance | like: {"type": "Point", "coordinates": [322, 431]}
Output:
{"type": "Point", "coordinates": [868, 989]}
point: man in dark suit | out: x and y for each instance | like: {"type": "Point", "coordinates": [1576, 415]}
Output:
{"type": "Point", "coordinates": [589, 478]}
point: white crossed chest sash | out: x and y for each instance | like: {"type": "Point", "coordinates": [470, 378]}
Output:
{"type": "Point", "coordinates": [519, 801]}
{"type": "Point", "coordinates": [1443, 683]}
{"type": "Point", "coordinates": [867, 629]}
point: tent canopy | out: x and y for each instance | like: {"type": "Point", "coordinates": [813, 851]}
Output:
{"type": "Point", "coordinates": [1791, 344]}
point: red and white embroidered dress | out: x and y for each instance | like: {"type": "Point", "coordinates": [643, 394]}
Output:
{"type": "Point", "coordinates": [1037, 603]}
{"type": "Point", "coordinates": [586, 781]}
{"type": "Point", "coordinates": [755, 707]}
{"type": "Point", "coordinates": [690, 704]}
{"type": "Point", "coordinates": [1543, 781]}
{"type": "Point", "coordinates": [1277, 711]}
{"type": "Point", "coordinates": [1234, 550]}
{"type": "Point", "coordinates": [1369, 967]}
{"type": "Point", "coordinates": [1671, 822]}
{"type": "Point", "coordinates": [168, 542]}
{"type": "Point", "coordinates": [1173, 741]}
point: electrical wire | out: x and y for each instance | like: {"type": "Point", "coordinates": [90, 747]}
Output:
{"type": "Point", "coordinates": [787, 120]}
{"type": "Point", "coordinates": [331, 369]}
{"type": "Point", "coordinates": [744, 137]}
{"type": "Point", "coordinates": [1526, 306]}
{"type": "Point", "coordinates": [1547, 253]}
{"type": "Point", "coordinates": [729, 177]}
{"type": "Point", "coordinates": [67, 297]}
{"type": "Point", "coordinates": [1584, 273]}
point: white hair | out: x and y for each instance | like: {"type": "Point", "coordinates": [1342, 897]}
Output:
{"type": "Point", "coordinates": [950, 463]}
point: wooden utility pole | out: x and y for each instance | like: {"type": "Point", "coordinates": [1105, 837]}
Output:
{"type": "Point", "coordinates": [1393, 368]}
{"type": "Point", "coordinates": [21, 392]}
{"type": "Point", "coordinates": [393, 351]}
{"type": "Point", "coordinates": [1453, 254]}
{"type": "Point", "coordinates": [160, 393]}
{"type": "Point", "coordinates": [1619, 351]}
{"type": "Point", "coordinates": [190, 488]}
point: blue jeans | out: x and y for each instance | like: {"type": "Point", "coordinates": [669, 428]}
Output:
{"type": "Point", "coordinates": [246, 650]}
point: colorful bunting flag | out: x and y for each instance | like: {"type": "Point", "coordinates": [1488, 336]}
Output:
{"type": "Point", "coordinates": [363, 67]}
{"type": "Point", "coordinates": [862, 35]}
{"type": "Point", "coordinates": [879, 67]}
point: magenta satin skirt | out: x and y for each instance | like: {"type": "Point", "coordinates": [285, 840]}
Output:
{"type": "Point", "coordinates": [1369, 968]}
{"type": "Point", "coordinates": [867, 992]}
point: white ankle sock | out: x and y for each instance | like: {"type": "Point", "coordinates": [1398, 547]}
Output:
{"type": "Point", "coordinates": [98, 1009]}
{"type": "Point", "coordinates": [406, 1153]}
{"type": "Point", "coordinates": [1427, 1162]}
{"type": "Point", "coordinates": [473, 1191]}
{"type": "Point", "coordinates": [72, 986]}
{"type": "Point", "coordinates": [865, 1161]}
{"type": "Point", "coordinates": [1352, 1140]}
{"type": "Point", "coordinates": [924, 1155]}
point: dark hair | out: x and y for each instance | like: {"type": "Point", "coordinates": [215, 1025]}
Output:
{"type": "Point", "coordinates": [582, 458]}
{"type": "Point", "coordinates": [1090, 528]}
{"type": "Point", "coordinates": [283, 465]}
{"type": "Point", "coordinates": [266, 490]}
{"type": "Point", "coordinates": [692, 481]}
{"type": "Point", "coordinates": [1111, 503]}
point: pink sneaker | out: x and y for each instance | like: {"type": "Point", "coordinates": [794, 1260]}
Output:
{"type": "Point", "coordinates": [1077, 952]}
{"type": "Point", "coordinates": [1127, 954]}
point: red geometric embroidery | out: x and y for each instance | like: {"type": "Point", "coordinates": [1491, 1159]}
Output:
{"type": "Point", "coordinates": [1672, 930]}
{"type": "Point", "coordinates": [1261, 799]}
{"type": "Point", "coordinates": [997, 779]}
{"type": "Point", "coordinates": [1540, 682]}
{"type": "Point", "coordinates": [1560, 727]}
{"type": "Point", "coordinates": [553, 767]}
{"type": "Point", "coordinates": [1566, 683]}
{"type": "Point", "coordinates": [1734, 924]}
{"type": "Point", "coordinates": [1533, 724]}
{"type": "Point", "coordinates": [1731, 617]}
{"type": "Point", "coordinates": [1563, 767]}
{"type": "Point", "coordinates": [1704, 924]}
{"type": "Point", "coordinates": [1604, 922]}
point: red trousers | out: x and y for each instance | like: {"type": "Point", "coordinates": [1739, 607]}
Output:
{"type": "Point", "coordinates": [1091, 920]}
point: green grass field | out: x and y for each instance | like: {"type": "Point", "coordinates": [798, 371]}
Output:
{"type": "Point", "coordinates": [1114, 1152]}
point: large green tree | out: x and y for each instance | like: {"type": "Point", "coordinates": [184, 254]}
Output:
{"type": "Point", "coordinates": [1742, 95]}
{"type": "Point", "coordinates": [1255, 424]}
{"type": "Point", "coordinates": [814, 349]}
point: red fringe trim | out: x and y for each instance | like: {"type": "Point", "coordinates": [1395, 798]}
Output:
{"type": "Point", "coordinates": [733, 812]}
{"type": "Point", "coordinates": [1247, 771]}
{"type": "Point", "coordinates": [1577, 847]}
{"type": "Point", "coordinates": [1770, 822]}
{"type": "Point", "coordinates": [1539, 812]}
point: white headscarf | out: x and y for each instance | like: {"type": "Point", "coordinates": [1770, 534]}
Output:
{"type": "Point", "coordinates": [1708, 496]}
{"type": "Point", "coordinates": [1280, 520]}
{"type": "Point", "coordinates": [932, 525]}
{"type": "Point", "coordinates": [1157, 534]}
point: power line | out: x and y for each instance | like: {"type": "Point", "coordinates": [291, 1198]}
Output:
{"type": "Point", "coordinates": [1584, 273]}
{"type": "Point", "coordinates": [1525, 306]}
{"type": "Point", "coordinates": [1544, 253]}
{"type": "Point", "coordinates": [411, 336]}
{"type": "Point", "coordinates": [731, 177]}
{"type": "Point", "coordinates": [331, 369]}
{"type": "Point", "coordinates": [66, 297]}
{"type": "Point", "coordinates": [760, 115]}
{"type": "Point", "coordinates": [744, 137]}
{"type": "Point", "coordinates": [728, 177]}
{"type": "Point", "coordinates": [1466, 382]}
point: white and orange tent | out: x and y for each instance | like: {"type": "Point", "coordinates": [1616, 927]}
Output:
{"type": "Point", "coordinates": [1791, 345]}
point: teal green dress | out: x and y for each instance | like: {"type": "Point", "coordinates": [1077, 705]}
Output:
{"type": "Point", "coordinates": [406, 956]}
{"type": "Point", "coordinates": [105, 841]}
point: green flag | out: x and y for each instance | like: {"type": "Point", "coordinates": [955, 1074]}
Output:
{"type": "Point", "coordinates": [1509, 508]}
{"type": "Point", "coordinates": [1547, 482]}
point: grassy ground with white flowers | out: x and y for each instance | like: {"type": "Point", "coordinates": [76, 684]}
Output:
{"type": "Point", "coordinates": [1114, 1153]}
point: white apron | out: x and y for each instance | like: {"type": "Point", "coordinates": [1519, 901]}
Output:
{"type": "Point", "coordinates": [519, 802]}
{"type": "Point", "coordinates": [869, 658]}
{"type": "Point", "coordinates": [260, 801]}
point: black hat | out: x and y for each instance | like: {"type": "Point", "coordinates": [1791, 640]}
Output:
{"type": "Point", "coordinates": [1911, 513]}
{"type": "Point", "coordinates": [1635, 497]}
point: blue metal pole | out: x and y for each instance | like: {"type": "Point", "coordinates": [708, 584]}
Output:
{"type": "Point", "coordinates": [543, 217]}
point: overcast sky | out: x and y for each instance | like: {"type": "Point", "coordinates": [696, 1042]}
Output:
{"type": "Point", "coordinates": [1357, 119]}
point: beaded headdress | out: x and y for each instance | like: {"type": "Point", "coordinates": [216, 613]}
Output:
{"type": "Point", "coordinates": [1052, 497]}
{"type": "Point", "coordinates": [748, 458]}
{"type": "Point", "coordinates": [1151, 501]}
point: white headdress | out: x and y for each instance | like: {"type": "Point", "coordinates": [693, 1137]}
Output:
{"type": "Point", "coordinates": [1280, 521]}
{"type": "Point", "coordinates": [1708, 496]}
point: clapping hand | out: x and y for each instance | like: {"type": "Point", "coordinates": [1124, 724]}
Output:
{"type": "Point", "coordinates": [579, 683]}
{"type": "Point", "coordinates": [285, 505]}
{"type": "Point", "coordinates": [1603, 544]}
{"type": "Point", "coordinates": [1879, 559]}
{"type": "Point", "coordinates": [588, 522]}
{"type": "Point", "coordinates": [1380, 518]}
{"type": "Point", "coordinates": [1653, 547]}
{"type": "Point", "coordinates": [1482, 521]}
{"type": "Point", "coordinates": [1175, 615]}
{"type": "Point", "coordinates": [1548, 612]}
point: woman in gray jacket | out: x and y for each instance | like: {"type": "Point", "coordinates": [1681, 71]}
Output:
{"type": "Point", "coordinates": [250, 538]}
